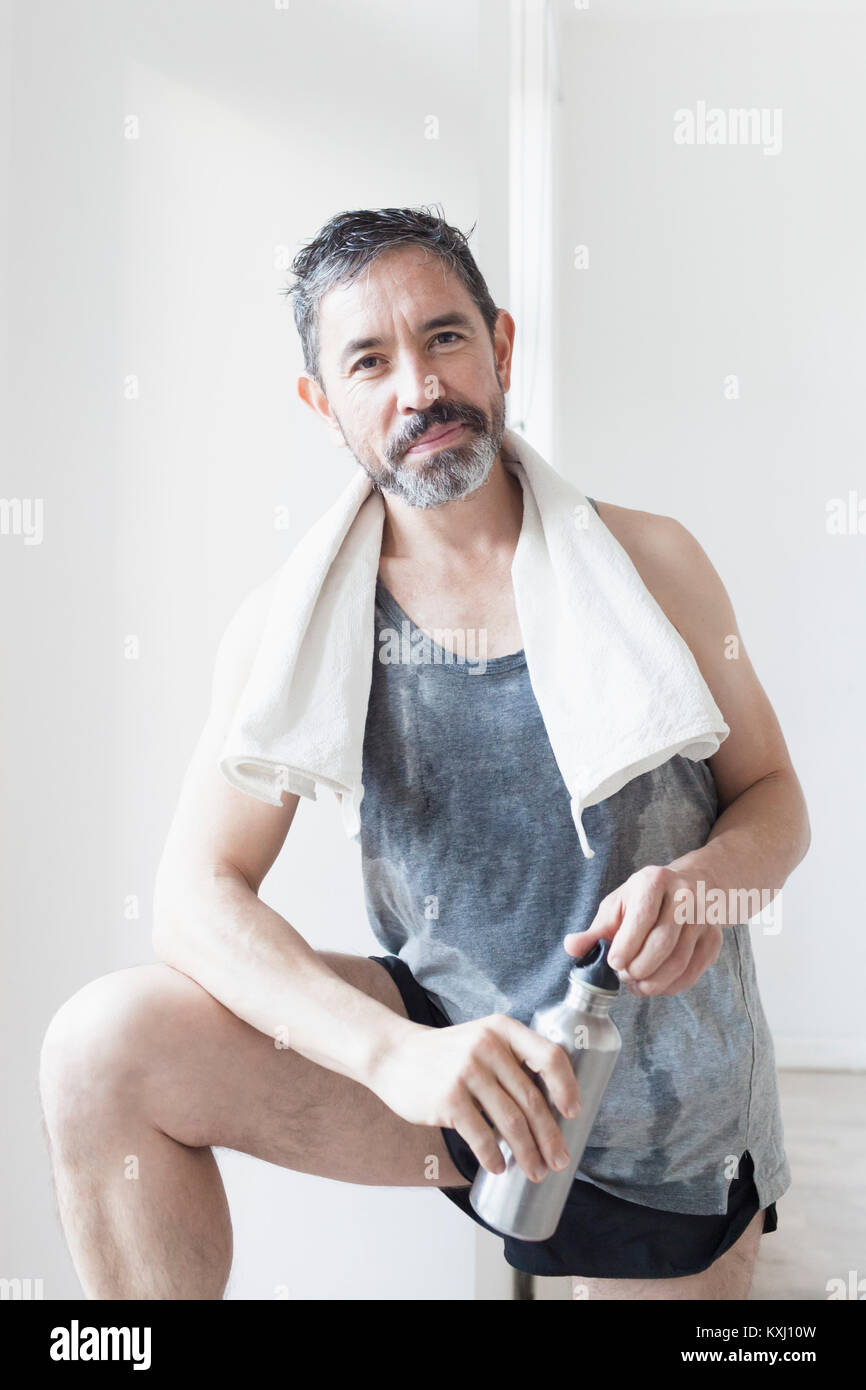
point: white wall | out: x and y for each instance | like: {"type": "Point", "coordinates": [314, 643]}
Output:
{"type": "Point", "coordinates": [158, 257]}
{"type": "Point", "coordinates": [706, 261]}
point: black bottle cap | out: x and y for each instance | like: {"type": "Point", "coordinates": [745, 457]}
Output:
{"type": "Point", "coordinates": [593, 968]}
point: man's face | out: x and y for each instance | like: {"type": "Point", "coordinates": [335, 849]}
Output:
{"type": "Point", "coordinates": [404, 356]}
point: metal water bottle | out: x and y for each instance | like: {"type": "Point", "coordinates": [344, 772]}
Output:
{"type": "Point", "coordinates": [510, 1202]}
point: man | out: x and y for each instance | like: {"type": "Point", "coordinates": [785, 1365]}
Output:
{"type": "Point", "coordinates": [407, 362]}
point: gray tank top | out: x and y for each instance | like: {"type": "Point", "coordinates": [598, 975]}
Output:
{"type": "Point", "coordinates": [473, 874]}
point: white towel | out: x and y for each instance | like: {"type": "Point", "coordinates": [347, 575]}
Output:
{"type": "Point", "coordinates": [618, 689]}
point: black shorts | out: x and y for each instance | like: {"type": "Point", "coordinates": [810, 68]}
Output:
{"type": "Point", "coordinates": [600, 1236]}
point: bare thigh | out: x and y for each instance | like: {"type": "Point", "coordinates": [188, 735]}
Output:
{"type": "Point", "coordinates": [159, 1043]}
{"type": "Point", "coordinates": [728, 1278]}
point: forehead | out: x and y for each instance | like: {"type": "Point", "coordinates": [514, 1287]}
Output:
{"type": "Point", "coordinates": [409, 282]}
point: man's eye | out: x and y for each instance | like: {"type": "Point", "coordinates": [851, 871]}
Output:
{"type": "Point", "coordinates": [362, 362]}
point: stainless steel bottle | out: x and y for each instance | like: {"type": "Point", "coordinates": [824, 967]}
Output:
{"type": "Point", "coordinates": [510, 1202]}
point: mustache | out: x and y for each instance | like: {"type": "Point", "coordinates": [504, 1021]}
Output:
{"type": "Point", "coordinates": [440, 413]}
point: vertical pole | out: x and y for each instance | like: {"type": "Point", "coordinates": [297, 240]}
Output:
{"type": "Point", "coordinates": [523, 1287]}
{"type": "Point", "coordinates": [533, 112]}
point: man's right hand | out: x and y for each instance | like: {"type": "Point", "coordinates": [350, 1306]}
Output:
{"type": "Point", "coordinates": [447, 1076]}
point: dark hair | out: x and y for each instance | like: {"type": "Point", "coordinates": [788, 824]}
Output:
{"type": "Point", "coordinates": [351, 240]}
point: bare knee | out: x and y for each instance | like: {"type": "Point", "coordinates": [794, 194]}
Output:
{"type": "Point", "coordinates": [96, 1047]}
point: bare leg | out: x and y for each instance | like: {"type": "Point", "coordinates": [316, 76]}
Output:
{"type": "Point", "coordinates": [728, 1278]}
{"type": "Point", "coordinates": [143, 1071]}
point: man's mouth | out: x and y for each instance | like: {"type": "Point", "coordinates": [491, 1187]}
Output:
{"type": "Point", "coordinates": [436, 438]}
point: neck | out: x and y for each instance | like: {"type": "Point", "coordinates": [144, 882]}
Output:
{"type": "Point", "coordinates": [470, 529]}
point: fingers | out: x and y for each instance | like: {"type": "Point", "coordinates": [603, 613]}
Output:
{"type": "Point", "coordinates": [638, 937]}
{"type": "Point", "coordinates": [547, 1059]}
{"type": "Point", "coordinates": [605, 923]}
{"type": "Point", "coordinates": [685, 940]}
{"type": "Point", "coordinates": [523, 1118]}
{"type": "Point", "coordinates": [698, 949]}
{"type": "Point", "coordinates": [534, 1074]}
{"type": "Point", "coordinates": [705, 954]}
{"type": "Point", "coordinates": [513, 1096]}
{"type": "Point", "coordinates": [471, 1125]}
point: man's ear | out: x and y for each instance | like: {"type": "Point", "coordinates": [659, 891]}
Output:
{"type": "Point", "coordinates": [503, 347]}
{"type": "Point", "coordinates": [312, 394]}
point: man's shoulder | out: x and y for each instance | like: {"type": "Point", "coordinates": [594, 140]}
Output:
{"type": "Point", "coordinates": [655, 543]}
{"type": "Point", "coordinates": [668, 558]}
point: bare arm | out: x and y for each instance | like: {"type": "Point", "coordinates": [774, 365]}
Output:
{"type": "Point", "coordinates": [210, 923]}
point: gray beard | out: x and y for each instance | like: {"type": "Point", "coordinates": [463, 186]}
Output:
{"type": "Point", "coordinates": [443, 477]}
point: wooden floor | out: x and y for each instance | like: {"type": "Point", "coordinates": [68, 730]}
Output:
{"type": "Point", "coordinates": [822, 1217]}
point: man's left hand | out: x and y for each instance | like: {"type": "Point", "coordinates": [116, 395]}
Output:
{"type": "Point", "coordinates": [655, 953]}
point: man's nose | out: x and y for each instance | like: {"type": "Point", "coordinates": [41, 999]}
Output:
{"type": "Point", "coordinates": [417, 386]}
